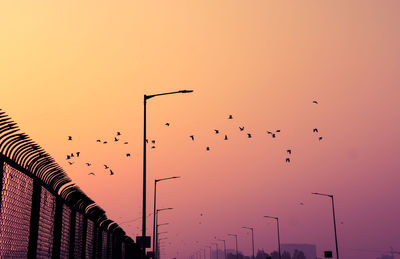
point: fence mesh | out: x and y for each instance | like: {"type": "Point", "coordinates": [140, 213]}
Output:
{"type": "Point", "coordinates": [89, 239]}
{"type": "Point", "coordinates": [66, 222]}
{"type": "Point", "coordinates": [15, 211]}
{"type": "Point", "coordinates": [46, 224]}
{"type": "Point", "coordinates": [78, 235]}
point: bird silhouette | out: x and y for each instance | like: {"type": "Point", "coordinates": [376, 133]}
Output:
{"type": "Point", "coordinates": [269, 132]}
{"type": "Point", "coordinates": [70, 163]}
{"type": "Point", "coordinates": [111, 172]}
{"type": "Point", "coordinates": [167, 124]}
{"type": "Point", "coordinates": [68, 157]}
{"type": "Point", "coordinates": [289, 151]}
{"type": "Point", "coordinates": [226, 137]}
{"type": "Point", "coordinates": [301, 203]}
{"type": "Point", "coordinates": [208, 148]}
{"type": "Point", "coordinates": [241, 128]}
{"type": "Point", "coordinates": [153, 146]}
{"type": "Point", "coordinates": [125, 143]}
{"type": "Point", "coordinates": [230, 117]}
{"type": "Point", "coordinates": [88, 164]}
{"type": "Point", "coordinates": [98, 140]}
{"type": "Point", "coordinates": [315, 102]}
{"type": "Point", "coordinates": [128, 154]}
{"type": "Point", "coordinates": [153, 141]}
{"type": "Point", "coordinates": [192, 137]}
{"type": "Point", "coordinates": [116, 139]}
{"type": "Point", "coordinates": [77, 154]}
{"type": "Point", "coordinates": [273, 135]}
{"type": "Point", "coordinates": [277, 130]}
{"type": "Point", "coordinates": [287, 160]}
{"type": "Point", "coordinates": [91, 174]}
{"type": "Point", "coordinates": [315, 130]}
{"type": "Point", "coordinates": [72, 154]}
{"type": "Point", "coordinates": [69, 137]}
{"type": "Point", "coordinates": [320, 138]}
{"type": "Point", "coordinates": [248, 135]}
{"type": "Point", "coordinates": [106, 167]}
{"type": "Point", "coordinates": [216, 131]}
{"type": "Point", "coordinates": [105, 142]}
{"type": "Point", "coordinates": [118, 133]}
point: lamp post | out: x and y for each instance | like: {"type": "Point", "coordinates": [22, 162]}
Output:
{"type": "Point", "coordinates": [334, 219]}
{"type": "Point", "coordinates": [216, 247]}
{"type": "Point", "coordinates": [154, 210]}
{"type": "Point", "coordinates": [224, 245]}
{"type": "Point", "coordinates": [157, 225]}
{"type": "Point", "coordinates": [145, 98]}
{"type": "Point", "coordinates": [210, 251]}
{"type": "Point", "coordinates": [204, 250]}
{"type": "Point", "coordinates": [236, 237]}
{"type": "Point", "coordinates": [279, 241]}
{"type": "Point", "coordinates": [252, 238]}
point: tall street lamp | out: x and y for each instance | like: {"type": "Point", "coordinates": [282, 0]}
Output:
{"type": "Point", "coordinates": [236, 237]}
{"type": "Point", "coordinates": [157, 225]}
{"type": "Point", "coordinates": [146, 97]}
{"type": "Point", "coordinates": [154, 210]}
{"type": "Point", "coordinates": [210, 251]}
{"type": "Point", "coordinates": [279, 241]}
{"type": "Point", "coordinates": [216, 247]}
{"type": "Point", "coordinates": [224, 245]}
{"type": "Point", "coordinates": [334, 219]}
{"type": "Point", "coordinates": [252, 238]}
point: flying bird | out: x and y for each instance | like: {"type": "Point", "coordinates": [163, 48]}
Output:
{"type": "Point", "coordinates": [153, 146]}
{"type": "Point", "coordinates": [153, 141]}
{"type": "Point", "coordinates": [287, 160]}
{"type": "Point", "coordinates": [208, 148]}
{"type": "Point", "coordinates": [320, 138]}
{"type": "Point", "coordinates": [278, 131]}
{"type": "Point", "coordinates": [241, 128]}
{"type": "Point", "coordinates": [91, 174]}
{"type": "Point", "coordinates": [273, 135]}
{"type": "Point", "coordinates": [269, 132]}
{"type": "Point", "coordinates": [72, 154]}
{"type": "Point", "coordinates": [105, 142]}
{"type": "Point", "coordinates": [118, 133]}
{"type": "Point", "coordinates": [248, 135]}
{"type": "Point", "coordinates": [167, 124]}
{"type": "Point", "coordinates": [125, 143]}
{"type": "Point", "coordinates": [301, 203]}
{"type": "Point", "coordinates": [315, 102]}
{"type": "Point", "coordinates": [69, 137]}
{"type": "Point", "coordinates": [68, 157]}
{"type": "Point", "coordinates": [230, 117]}
{"type": "Point", "coordinates": [88, 164]}
{"type": "Point", "coordinates": [289, 151]}
{"type": "Point", "coordinates": [116, 139]}
{"type": "Point", "coordinates": [111, 172]}
{"type": "Point", "coordinates": [216, 131]}
{"type": "Point", "coordinates": [192, 137]}
{"type": "Point", "coordinates": [70, 163]}
{"type": "Point", "coordinates": [106, 167]}
{"type": "Point", "coordinates": [98, 140]}
{"type": "Point", "coordinates": [226, 137]}
{"type": "Point", "coordinates": [128, 154]}
{"type": "Point", "coordinates": [147, 141]}
{"type": "Point", "coordinates": [315, 130]}
{"type": "Point", "coordinates": [77, 154]}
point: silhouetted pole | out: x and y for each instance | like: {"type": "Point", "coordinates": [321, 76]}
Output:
{"type": "Point", "coordinates": [224, 246]}
{"type": "Point", "coordinates": [145, 98]}
{"type": "Point", "coordinates": [252, 238]}
{"type": "Point", "coordinates": [154, 210]}
{"type": "Point", "coordinates": [216, 247]}
{"type": "Point", "coordinates": [334, 220]}
{"type": "Point", "coordinates": [210, 252]}
{"type": "Point", "coordinates": [204, 250]}
{"type": "Point", "coordinates": [156, 236]}
{"type": "Point", "coordinates": [237, 251]}
{"type": "Point", "coordinates": [279, 240]}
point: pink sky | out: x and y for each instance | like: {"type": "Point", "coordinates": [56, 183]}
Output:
{"type": "Point", "coordinates": [81, 68]}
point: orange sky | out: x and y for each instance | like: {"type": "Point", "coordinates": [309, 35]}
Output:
{"type": "Point", "coordinates": [81, 68]}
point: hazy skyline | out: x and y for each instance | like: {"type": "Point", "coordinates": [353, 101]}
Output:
{"type": "Point", "coordinates": [81, 69]}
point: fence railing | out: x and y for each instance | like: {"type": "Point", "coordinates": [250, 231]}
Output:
{"type": "Point", "coordinates": [43, 214]}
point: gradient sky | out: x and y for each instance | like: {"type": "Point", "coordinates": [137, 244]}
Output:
{"type": "Point", "coordinates": [81, 68]}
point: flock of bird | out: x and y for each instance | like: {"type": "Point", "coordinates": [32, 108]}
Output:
{"type": "Point", "coordinates": [117, 137]}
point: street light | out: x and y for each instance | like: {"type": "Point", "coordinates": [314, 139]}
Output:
{"type": "Point", "coordinates": [334, 219]}
{"type": "Point", "coordinates": [157, 225]}
{"type": "Point", "coordinates": [154, 210]}
{"type": "Point", "coordinates": [236, 237]}
{"type": "Point", "coordinates": [224, 245]}
{"type": "Point", "coordinates": [216, 247]}
{"type": "Point", "coordinates": [210, 251]}
{"type": "Point", "coordinates": [252, 238]}
{"type": "Point", "coordinates": [145, 98]}
{"type": "Point", "coordinates": [279, 241]}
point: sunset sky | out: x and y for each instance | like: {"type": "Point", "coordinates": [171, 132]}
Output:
{"type": "Point", "coordinates": [81, 68]}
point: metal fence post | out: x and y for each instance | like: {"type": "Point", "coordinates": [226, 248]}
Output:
{"type": "Point", "coordinates": [57, 228]}
{"type": "Point", "coordinates": [72, 234]}
{"type": "Point", "coordinates": [34, 222]}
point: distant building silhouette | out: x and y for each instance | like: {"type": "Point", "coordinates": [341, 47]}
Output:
{"type": "Point", "coordinates": [386, 257]}
{"type": "Point", "coordinates": [310, 251]}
